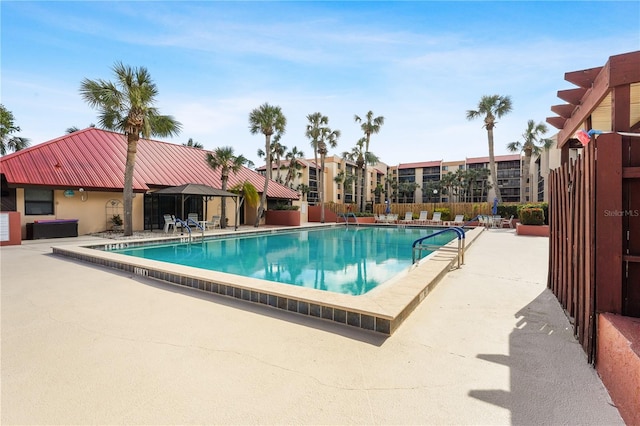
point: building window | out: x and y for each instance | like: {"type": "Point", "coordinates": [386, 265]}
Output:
{"type": "Point", "coordinates": [38, 201]}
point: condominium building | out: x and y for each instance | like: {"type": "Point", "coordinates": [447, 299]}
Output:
{"type": "Point", "coordinates": [420, 182]}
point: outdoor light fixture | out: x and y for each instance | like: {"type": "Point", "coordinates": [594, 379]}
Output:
{"type": "Point", "coordinates": [435, 194]}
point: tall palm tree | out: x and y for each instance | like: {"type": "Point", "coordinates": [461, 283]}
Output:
{"type": "Point", "coordinates": [315, 127]}
{"type": "Point", "coordinates": [7, 127]}
{"type": "Point", "coordinates": [224, 159]}
{"type": "Point", "coordinates": [266, 119]}
{"type": "Point", "coordinates": [127, 105]}
{"type": "Point", "coordinates": [362, 158]}
{"type": "Point", "coordinates": [370, 125]}
{"type": "Point", "coordinates": [532, 144]}
{"type": "Point", "coordinates": [294, 165]}
{"type": "Point", "coordinates": [193, 144]}
{"type": "Point", "coordinates": [491, 107]}
{"type": "Point", "coordinates": [328, 137]}
{"type": "Point", "coordinates": [277, 152]}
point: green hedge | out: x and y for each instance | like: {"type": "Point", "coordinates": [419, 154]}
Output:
{"type": "Point", "coordinates": [532, 216]}
{"type": "Point", "coordinates": [508, 210]}
{"type": "Point", "coordinates": [543, 206]}
{"type": "Point", "coordinates": [286, 207]}
{"type": "Point", "coordinates": [445, 213]}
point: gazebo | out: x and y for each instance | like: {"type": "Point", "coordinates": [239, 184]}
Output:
{"type": "Point", "coordinates": [205, 192]}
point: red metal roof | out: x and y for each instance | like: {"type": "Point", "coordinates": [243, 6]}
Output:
{"type": "Point", "coordinates": [95, 159]}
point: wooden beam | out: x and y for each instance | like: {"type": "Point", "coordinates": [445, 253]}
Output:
{"type": "Point", "coordinates": [583, 78]}
{"type": "Point", "coordinates": [572, 96]}
{"type": "Point", "coordinates": [557, 122]}
{"type": "Point", "coordinates": [621, 108]}
{"type": "Point", "coordinates": [625, 69]}
{"type": "Point", "coordinates": [590, 102]}
{"type": "Point", "coordinates": [631, 172]}
{"type": "Point", "coordinates": [608, 222]}
{"type": "Point", "coordinates": [563, 110]}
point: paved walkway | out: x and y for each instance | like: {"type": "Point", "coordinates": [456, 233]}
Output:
{"type": "Point", "coordinates": [490, 345]}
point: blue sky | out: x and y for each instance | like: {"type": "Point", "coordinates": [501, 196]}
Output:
{"type": "Point", "coordinates": [420, 64]}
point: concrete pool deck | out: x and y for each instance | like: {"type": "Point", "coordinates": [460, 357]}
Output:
{"type": "Point", "coordinates": [490, 344]}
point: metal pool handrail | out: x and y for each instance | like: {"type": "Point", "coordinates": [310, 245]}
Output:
{"type": "Point", "coordinates": [419, 246]}
{"type": "Point", "coordinates": [186, 225]}
{"type": "Point", "coordinates": [346, 215]}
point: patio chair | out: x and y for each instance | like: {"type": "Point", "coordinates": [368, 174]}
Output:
{"type": "Point", "coordinates": [379, 218]}
{"type": "Point", "coordinates": [459, 220]}
{"type": "Point", "coordinates": [408, 218]}
{"type": "Point", "coordinates": [193, 216]}
{"type": "Point", "coordinates": [436, 220]}
{"type": "Point", "coordinates": [422, 220]}
{"type": "Point", "coordinates": [169, 221]}
{"type": "Point", "coordinates": [213, 224]}
{"type": "Point", "coordinates": [505, 221]}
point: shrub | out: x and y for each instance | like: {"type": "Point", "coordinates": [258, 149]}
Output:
{"type": "Point", "coordinates": [543, 206]}
{"type": "Point", "coordinates": [532, 216]}
{"type": "Point", "coordinates": [286, 207]}
{"type": "Point", "coordinates": [116, 220]}
{"type": "Point", "coordinates": [364, 214]}
{"type": "Point", "coordinates": [508, 210]}
{"type": "Point", "coordinates": [446, 213]}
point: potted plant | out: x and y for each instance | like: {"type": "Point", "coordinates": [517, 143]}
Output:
{"type": "Point", "coordinates": [116, 222]}
{"type": "Point", "coordinates": [532, 222]}
{"type": "Point", "coordinates": [283, 214]}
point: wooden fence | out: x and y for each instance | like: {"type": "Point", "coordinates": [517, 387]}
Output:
{"type": "Point", "coordinates": [594, 247]}
{"type": "Point", "coordinates": [470, 210]}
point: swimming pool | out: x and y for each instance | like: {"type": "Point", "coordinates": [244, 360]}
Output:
{"type": "Point", "coordinates": [345, 260]}
{"type": "Point", "coordinates": [381, 309]}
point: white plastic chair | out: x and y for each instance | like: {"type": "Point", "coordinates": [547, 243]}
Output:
{"type": "Point", "coordinates": [436, 218]}
{"type": "Point", "coordinates": [408, 218]}
{"type": "Point", "coordinates": [423, 219]}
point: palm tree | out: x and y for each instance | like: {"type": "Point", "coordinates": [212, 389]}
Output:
{"type": "Point", "coordinates": [74, 129]}
{"type": "Point", "coordinates": [317, 123]}
{"type": "Point", "coordinates": [266, 119]}
{"type": "Point", "coordinates": [362, 159]}
{"type": "Point", "coordinates": [127, 106]}
{"type": "Point", "coordinates": [491, 107]}
{"type": "Point", "coordinates": [277, 151]}
{"type": "Point", "coordinates": [7, 127]}
{"type": "Point", "coordinates": [329, 137]}
{"type": "Point", "coordinates": [294, 166]}
{"type": "Point", "coordinates": [303, 189]}
{"type": "Point", "coordinates": [369, 126]}
{"type": "Point", "coordinates": [448, 184]}
{"type": "Point", "coordinates": [224, 159]}
{"type": "Point", "coordinates": [193, 144]}
{"type": "Point", "coordinates": [249, 194]}
{"type": "Point", "coordinates": [532, 144]}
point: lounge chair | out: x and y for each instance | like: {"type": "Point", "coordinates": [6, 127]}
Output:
{"type": "Point", "coordinates": [459, 220]}
{"type": "Point", "coordinates": [505, 221]}
{"type": "Point", "coordinates": [380, 218]}
{"type": "Point", "coordinates": [422, 220]}
{"type": "Point", "coordinates": [213, 224]}
{"type": "Point", "coordinates": [169, 221]}
{"type": "Point", "coordinates": [408, 218]}
{"type": "Point", "coordinates": [436, 220]}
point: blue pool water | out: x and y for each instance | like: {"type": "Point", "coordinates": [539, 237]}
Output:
{"type": "Point", "coordinates": [349, 260]}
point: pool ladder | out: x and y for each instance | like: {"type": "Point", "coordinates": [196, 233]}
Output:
{"type": "Point", "coordinates": [346, 216]}
{"type": "Point", "coordinates": [185, 225]}
{"type": "Point", "coordinates": [418, 245]}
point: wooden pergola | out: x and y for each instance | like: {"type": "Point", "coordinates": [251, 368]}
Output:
{"type": "Point", "coordinates": [594, 258]}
